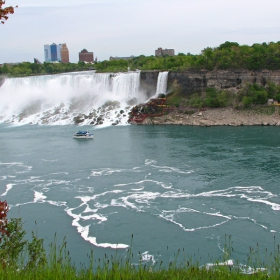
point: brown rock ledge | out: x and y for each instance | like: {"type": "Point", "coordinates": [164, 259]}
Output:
{"type": "Point", "coordinates": [215, 117]}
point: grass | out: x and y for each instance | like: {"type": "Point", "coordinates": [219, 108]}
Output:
{"type": "Point", "coordinates": [28, 259]}
{"type": "Point", "coordinates": [58, 266]}
{"type": "Point", "coordinates": [261, 109]}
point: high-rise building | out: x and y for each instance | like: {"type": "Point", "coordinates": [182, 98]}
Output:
{"type": "Point", "coordinates": [64, 54]}
{"type": "Point", "coordinates": [52, 52]}
{"type": "Point", "coordinates": [160, 52]}
{"type": "Point", "coordinates": [86, 56]}
{"type": "Point", "coordinates": [47, 52]}
{"type": "Point", "coordinates": [58, 51]}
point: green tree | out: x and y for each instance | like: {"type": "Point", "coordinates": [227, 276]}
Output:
{"type": "Point", "coordinates": [49, 69]}
{"type": "Point", "coordinates": [5, 69]}
{"type": "Point", "coordinates": [228, 45]}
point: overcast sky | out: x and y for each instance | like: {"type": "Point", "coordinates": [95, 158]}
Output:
{"type": "Point", "coordinates": [134, 27]}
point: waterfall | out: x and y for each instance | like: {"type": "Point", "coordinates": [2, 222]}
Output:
{"type": "Point", "coordinates": [162, 83]}
{"type": "Point", "coordinates": [129, 83]}
{"type": "Point", "coordinates": [80, 97]}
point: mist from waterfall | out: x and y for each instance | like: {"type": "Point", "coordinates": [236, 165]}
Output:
{"type": "Point", "coordinates": [162, 83]}
{"type": "Point", "coordinates": [81, 98]}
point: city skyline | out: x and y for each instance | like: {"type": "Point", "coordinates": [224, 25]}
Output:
{"type": "Point", "coordinates": [124, 28]}
{"type": "Point", "coordinates": [56, 53]}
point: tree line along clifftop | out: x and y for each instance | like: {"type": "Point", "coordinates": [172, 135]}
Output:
{"type": "Point", "coordinates": [227, 56]}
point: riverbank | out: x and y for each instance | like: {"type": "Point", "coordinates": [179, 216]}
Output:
{"type": "Point", "coordinates": [262, 115]}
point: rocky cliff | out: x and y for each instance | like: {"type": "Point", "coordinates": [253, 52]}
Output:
{"type": "Point", "coordinates": [192, 81]}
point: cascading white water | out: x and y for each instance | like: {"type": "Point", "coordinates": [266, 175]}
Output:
{"type": "Point", "coordinates": [84, 98]}
{"type": "Point", "coordinates": [162, 83]}
{"type": "Point", "coordinates": [129, 83]}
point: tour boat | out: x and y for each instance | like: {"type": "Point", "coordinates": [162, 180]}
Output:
{"type": "Point", "coordinates": [83, 135]}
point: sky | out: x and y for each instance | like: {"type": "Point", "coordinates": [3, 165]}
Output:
{"type": "Point", "coordinates": [134, 27]}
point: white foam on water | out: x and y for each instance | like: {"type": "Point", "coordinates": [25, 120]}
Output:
{"type": "Point", "coordinates": [143, 197]}
{"type": "Point", "coordinates": [243, 268]}
{"type": "Point", "coordinates": [11, 163]}
{"type": "Point", "coordinates": [136, 201]}
{"type": "Point", "coordinates": [246, 269]}
{"type": "Point", "coordinates": [20, 170]}
{"type": "Point", "coordinates": [167, 169]}
{"type": "Point", "coordinates": [169, 216]}
{"type": "Point", "coordinates": [142, 182]}
{"type": "Point", "coordinates": [252, 220]}
{"type": "Point", "coordinates": [251, 193]}
{"type": "Point", "coordinates": [84, 230]}
{"type": "Point", "coordinates": [130, 205]}
{"type": "Point", "coordinates": [58, 173]}
{"type": "Point", "coordinates": [86, 199]}
{"type": "Point", "coordinates": [140, 189]}
{"type": "Point", "coordinates": [208, 266]}
{"type": "Point", "coordinates": [39, 197]}
{"type": "Point", "coordinates": [35, 180]}
{"type": "Point", "coordinates": [274, 206]}
{"type": "Point", "coordinates": [105, 171]}
{"type": "Point", "coordinates": [8, 187]}
{"type": "Point", "coordinates": [26, 169]}
{"type": "Point", "coordinates": [146, 257]}
{"type": "Point", "coordinates": [57, 203]}
{"type": "Point", "coordinates": [150, 161]}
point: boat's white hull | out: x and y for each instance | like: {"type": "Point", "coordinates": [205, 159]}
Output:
{"type": "Point", "coordinates": [83, 137]}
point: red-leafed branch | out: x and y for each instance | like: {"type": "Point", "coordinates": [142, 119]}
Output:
{"type": "Point", "coordinates": [4, 208]}
{"type": "Point", "coordinates": [5, 12]}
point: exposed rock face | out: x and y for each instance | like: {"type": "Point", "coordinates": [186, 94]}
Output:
{"type": "Point", "coordinates": [192, 81]}
{"type": "Point", "coordinates": [197, 81]}
{"type": "Point", "coordinates": [215, 117]}
{"type": "Point", "coordinates": [149, 82]}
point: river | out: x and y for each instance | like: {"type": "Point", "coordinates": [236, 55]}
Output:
{"type": "Point", "coordinates": [171, 187]}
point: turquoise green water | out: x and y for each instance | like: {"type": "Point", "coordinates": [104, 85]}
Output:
{"type": "Point", "coordinates": [172, 187]}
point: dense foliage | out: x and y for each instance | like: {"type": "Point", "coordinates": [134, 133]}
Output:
{"type": "Point", "coordinates": [29, 69]}
{"type": "Point", "coordinates": [229, 55]}
{"type": "Point", "coordinates": [249, 95]}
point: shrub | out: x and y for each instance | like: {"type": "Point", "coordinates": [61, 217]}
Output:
{"type": "Point", "coordinates": [260, 97]}
{"type": "Point", "coordinates": [277, 97]}
{"type": "Point", "coordinates": [195, 101]}
{"type": "Point", "coordinates": [211, 99]}
{"type": "Point", "coordinates": [246, 101]}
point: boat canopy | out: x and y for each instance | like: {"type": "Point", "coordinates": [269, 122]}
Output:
{"type": "Point", "coordinates": [82, 132]}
